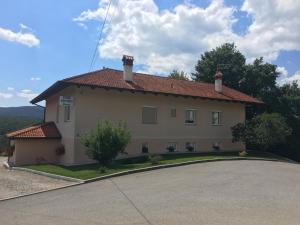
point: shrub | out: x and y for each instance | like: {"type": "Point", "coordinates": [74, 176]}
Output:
{"type": "Point", "coordinates": [243, 154]}
{"type": "Point", "coordinates": [102, 169]}
{"type": "Point", "coordinates": [171, 148]}
{"type": "Point", "coordinates": [106, 141]}
{"type": "Point", "coordinates": [155, 159]}
{"type": "Point", "coordinates": [264, 131]}
{"type": "Point", "coordinates": [131, 160]}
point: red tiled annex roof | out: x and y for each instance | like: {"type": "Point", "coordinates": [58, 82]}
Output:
{"type": "Point", "coordinates": [110, 78]}
{"type": "Point", "coordinates": [46, 130]}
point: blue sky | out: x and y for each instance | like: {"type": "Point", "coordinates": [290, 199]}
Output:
{"type": "Point", "coordinates": [42, 41]}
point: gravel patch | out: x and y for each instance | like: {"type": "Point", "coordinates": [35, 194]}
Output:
{"type": "Point", "coordinates": [14, 183]}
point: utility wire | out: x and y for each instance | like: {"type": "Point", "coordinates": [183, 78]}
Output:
{"type": "Point", "coordinates": [99, 39]}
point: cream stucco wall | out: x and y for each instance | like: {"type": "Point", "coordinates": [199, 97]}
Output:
{"type": "Point", "coordinates": [94, 105]}
{"type": "Point", "coordinates": [32, 151]}
{"type": "Point", "coordinates": [67, 129]}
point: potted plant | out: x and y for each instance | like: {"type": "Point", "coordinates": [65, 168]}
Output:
{"type": "Point", "coordinates": [190, 148]}
{"type": "Point", "coordinates": [171, 148]}
{"type": "Point", "coordinates": [145, 149]}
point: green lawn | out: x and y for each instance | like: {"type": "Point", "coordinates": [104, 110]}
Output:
{"type": "Point", "coordinates": [91, 171]}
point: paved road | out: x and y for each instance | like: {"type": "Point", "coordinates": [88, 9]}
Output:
{"type": "Point", "coordinates": [216, 193]}
{"type": "Point", "coordinates": [13, 182]}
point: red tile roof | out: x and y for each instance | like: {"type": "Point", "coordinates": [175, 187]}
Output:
{"type": "Point", "coordinates": [38, 131]}
{"type": "Point", "coordinates": [110, 78]}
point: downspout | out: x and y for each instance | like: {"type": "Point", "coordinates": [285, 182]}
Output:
{"type": "Point", "coordinates": [44, 108]}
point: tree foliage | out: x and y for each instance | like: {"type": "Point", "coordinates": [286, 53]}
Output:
{"type": "Point", "coordinates": [233, 69]}
{"type": "Point", "coordinates": [264, 131]}
{"type": "Point", "coordinates": [106, 141]}
{"type": "Point", "coordinates": [175, 74]}
{"type": "Point", "coordinates": [257, 79]}
{"type": "Point", "coordinates": [10, 123]}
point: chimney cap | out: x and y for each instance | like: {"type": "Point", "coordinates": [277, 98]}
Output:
{"type": "Point", "coordinates": [218, 75]}
{"type": "Point", "coordinates": [127, 60]}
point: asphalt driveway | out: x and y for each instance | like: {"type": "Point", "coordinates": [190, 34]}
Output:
{"type": "Point", "coordinates": [215, 193]}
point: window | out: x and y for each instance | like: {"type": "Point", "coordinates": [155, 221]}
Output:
{"type": "Point", "coordinates": [149, 115]}
{"type": "Point", "coordinates": [216, 118]}
{"type": "Point", "coordinates": [190, 116]}
{"type": "Point", "coordinates": [173, 112]}
{"type": "Point", "coordinates": [171, 147]}
{"type": "Point", "coordinates": [145, 148]}
{"type": "Point", "coordinates": [216, 146]}
{"type": "Point", "coordinates": [190, 147]}
{"type": "Point", "coordinates": [67, 113]}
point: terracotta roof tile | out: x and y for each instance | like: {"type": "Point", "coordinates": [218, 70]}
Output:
{"type": "Point", "coordinates": [45, 130]}
{"type": "Point", "coordinates": [110, 78]}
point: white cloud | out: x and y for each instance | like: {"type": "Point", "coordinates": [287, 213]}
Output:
{"type": "Point", "coordinates": [25, 38]}
{"type": "Point", "coordinates": [10, 88]}
{"type": "Point", "coordinates": [291, 79]}
{"type": "Point", "coordinates": [5, 95]}
{"type": "Point", "coordinates": [162, 40]}
{"type": "Point", "coordinates": [35, 78]}
{"type": "Point", "coordinates": [26, 93]}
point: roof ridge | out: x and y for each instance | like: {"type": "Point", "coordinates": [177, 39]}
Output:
{"type": "Point", "coordinates": [84, 74]}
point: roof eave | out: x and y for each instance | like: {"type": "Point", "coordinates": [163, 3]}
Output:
{"type": "Point", "coordinates": [54, 88]}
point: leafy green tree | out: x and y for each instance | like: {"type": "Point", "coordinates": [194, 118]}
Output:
{"type": "Point", "coordinates": [259, 78]}
{"type": "Point", "coordinates": [175, 74]}
{"type": "Point", "coordinates": [263, 131]}
{"type": "Point", "coordinates": [227, 54]}
{"type": "Point", "coordinates": [106, 141]}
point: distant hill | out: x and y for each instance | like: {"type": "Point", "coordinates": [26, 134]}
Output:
{"type": "Point", "coordinates": [13, 118]}
{"type": "Point", "coordinates": [22, 111]}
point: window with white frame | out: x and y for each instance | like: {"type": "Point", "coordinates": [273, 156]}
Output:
{"type": "Point", "coordinates": [190, 116]}
{"type": "Point", "coordinates": [67, 113]}
{"type": "Point", "coordinates": [216, 118]}
{"type": "Point", "coordinates": [190, 146]}
{"type": "Point", "coordinates": [149, 115]}
{"type": "Point", "coordinates": [171, 147]}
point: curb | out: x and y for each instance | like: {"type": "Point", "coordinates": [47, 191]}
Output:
{"type": "Point", "coordinates": [80, 182]}
{"type": "Point", "coordinates": [150, 168]}
{"type": "Point", "coordinates": [51, 175]}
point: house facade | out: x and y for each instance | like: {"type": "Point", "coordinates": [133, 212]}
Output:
{"type": "Point", "coordinates": [162, 114]}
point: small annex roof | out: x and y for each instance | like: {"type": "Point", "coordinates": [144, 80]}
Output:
{"type": "Point", "coordinates": [39, 131]}
{"type": "Point", "coordinates": [145, 83]}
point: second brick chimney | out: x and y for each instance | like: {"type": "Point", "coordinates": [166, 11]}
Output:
{"type": "Point", "coordinates": [218, 82]}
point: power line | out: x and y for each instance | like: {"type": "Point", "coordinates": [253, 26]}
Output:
{"type": "Point", "coordinates": [99, 39]}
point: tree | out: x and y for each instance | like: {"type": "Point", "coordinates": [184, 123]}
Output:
{"type": "Point", "coordinates": [264, 131]}
{"type": "Point", "coordinates": [175, 74]}
{"type": "Point", "coordinates": [106, 141]}
{"type": "Point", "coordinates": [226, 54]}
{"type": "Point", "coordinates": [259, 78]}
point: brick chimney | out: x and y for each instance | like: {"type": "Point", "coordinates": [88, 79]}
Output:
{"type": "Point", "coordinates": [218, 82]}
{"type": "Point", "coordinates": [127, 64]}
